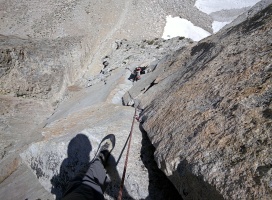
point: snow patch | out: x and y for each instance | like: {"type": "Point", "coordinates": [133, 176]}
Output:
{"type": "Point", "coordinates": [209, 6]}
{"type": "Point", "coordinates": [216, 26]}
{"type": "Point", "coordinates": [176, 26]}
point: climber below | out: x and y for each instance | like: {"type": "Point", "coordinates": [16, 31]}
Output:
{"type": "Point", "coordinates": [136, 74]}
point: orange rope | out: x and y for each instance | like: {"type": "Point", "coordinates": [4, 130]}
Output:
{"type": "Point", "coordinates": [126, 161]}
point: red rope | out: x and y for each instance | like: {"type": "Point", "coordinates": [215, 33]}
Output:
{"type": "Point", "coordinates": [126, 161]}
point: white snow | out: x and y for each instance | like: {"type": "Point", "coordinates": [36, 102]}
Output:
{"type": "Point", "coordinates": [209, 6]}
{"type": "Point", "coordinates": [216, 26]}
{"type": "Point", "coordinates": [176, 26]}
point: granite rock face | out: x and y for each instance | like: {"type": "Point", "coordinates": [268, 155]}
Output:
{"type": "Point", "coordinates": [208, 113]}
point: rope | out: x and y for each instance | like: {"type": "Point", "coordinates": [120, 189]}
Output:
{"type": "Point", "coordinates": [126, 161]}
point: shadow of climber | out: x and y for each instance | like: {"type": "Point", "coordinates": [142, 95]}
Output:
{"type": "Point", "coordinates": [78, 152]}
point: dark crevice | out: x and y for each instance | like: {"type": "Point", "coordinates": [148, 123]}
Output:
{"type": "Point", "coordinates": [150, 86]}
{"type": "Point", "coordinates": [160, 187]}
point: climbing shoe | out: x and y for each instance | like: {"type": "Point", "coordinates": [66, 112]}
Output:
{"type": "Point", "coordinates": [106, 146]}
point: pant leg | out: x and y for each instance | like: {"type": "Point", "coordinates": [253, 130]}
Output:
{"type": "Point", "coordinates": [95, 179]}
{"type": "Point", "coordinates": [96, 176]}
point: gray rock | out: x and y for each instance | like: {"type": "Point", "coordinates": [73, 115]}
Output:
{"type": "Point", "coordinates": [145, 53]}
{"type": "Point", "coordinates": [19, 122]}
{"type": "Point", "coordinates": [20, 190]}
{"type": "Point", "coordinates": [40, 68]}
{"type": "Point", "coordinates": [209, 116]}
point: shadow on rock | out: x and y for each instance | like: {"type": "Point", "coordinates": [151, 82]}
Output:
{"type": "Point", "coordinates": [77, 161]}
{"type": "Point", "coordinates": [114, 186]}
{"type": "Point", "coordinates": [193, 186]}
{"type": "Point", "coordinates": [160, 187]}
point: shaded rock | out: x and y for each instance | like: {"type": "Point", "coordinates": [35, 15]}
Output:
{"type": "Point", "coordinates": [160, 187]}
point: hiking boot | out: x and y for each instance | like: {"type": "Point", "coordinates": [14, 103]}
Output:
{"type": "Point", "coordinates": [106, 146]}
